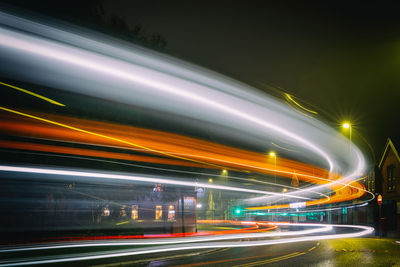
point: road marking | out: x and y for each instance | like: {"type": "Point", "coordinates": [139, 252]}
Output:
{"type": "Point", "coordinates": [312, 248]}
{"type": "Point", "coordinates": [152, 259]}
{"type": "Point", "coordinates": [122, 223]}
{"type": "Point", "coordinates": [33, 94]}
{"type": "Point", "coordinates": [219, 261]}
{"type": "Point", "coordinates": [284, 257]}
{"type": "Point", "coordinates": [318, 244]}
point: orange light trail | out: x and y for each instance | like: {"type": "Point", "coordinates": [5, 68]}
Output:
{"type": "Point", "coordinates": [179, 150]}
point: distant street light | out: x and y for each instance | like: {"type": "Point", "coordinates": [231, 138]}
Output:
{"type": "Point", "coordinates": [210, 180]}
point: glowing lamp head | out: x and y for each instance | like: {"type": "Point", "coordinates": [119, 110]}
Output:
{"type": "Point", "coordinates": [346, 125]}
{"type": "Point", "coordinates": [272, 154]}
{"type": "Point", "coordinates": [210, 180]}
{"type": "Point", "coordinates": [224, 171]}
{"type": "Point", "coordinates": [237, 211]}
{"type": "Point", "coordinates": [284, 190]}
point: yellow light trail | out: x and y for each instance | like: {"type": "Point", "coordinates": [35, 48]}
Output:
{"type": "Point", "coordinates": [33, 94]}
{"type": "Point", "coordinates": [290, 98]}
{"type": "Point", "coordinates": [120, 223]}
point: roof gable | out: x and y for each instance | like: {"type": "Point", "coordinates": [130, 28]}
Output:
{"type": "Point", "coordinates": [389, 144]}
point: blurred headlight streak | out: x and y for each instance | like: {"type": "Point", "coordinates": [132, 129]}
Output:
{"type": "Point", "coordinates": [132, 178]}
{"type": "Point", "coordinates": [316, 228]}
{"type": "Point", "coordinates": [143, 80]}
{"type": "Point", "coordinates": [361, 230]}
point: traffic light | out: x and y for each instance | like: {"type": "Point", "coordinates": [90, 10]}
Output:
{"type": "Point", "coordinates": [237, 211]}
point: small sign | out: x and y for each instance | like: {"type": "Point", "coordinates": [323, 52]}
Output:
{"type": "Point", "coordinates": [297, 205]}
{"type": "Point", "coordinates": [188, 205]}
{"type": "Point", "coordinates": [379, 199]}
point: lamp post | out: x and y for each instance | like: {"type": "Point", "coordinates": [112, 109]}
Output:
{"type": "Point", "coordinates": [223, 212]}
{"type": "Point", "coordinates": [347, 125]}
{"type": "Point", "coordinates": [379, 200]}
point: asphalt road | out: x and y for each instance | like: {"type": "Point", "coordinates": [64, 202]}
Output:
{"type": "Point", "coordinates": [337, 252]}
{"type": "Point", "coordinates": [247, 250]}
{"type": "Point", "coordinates": [250, 256]}
{"type": "Point", "coordinates": [302, 254]}
{"type": "Point", "coordinates": [346, 252]}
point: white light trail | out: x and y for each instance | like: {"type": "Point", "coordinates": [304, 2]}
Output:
{"type": "Point", "coordinates": [142, 76]}
{"type": "Point", "coordinates": [133, 178]}
{"type": "Point", "coordinates": [362, 230]}
{"type": "Point", "coordinates": [170, 170]}
{"type": "Point", "coordinates": [91, 65]}
{"type": "Point", "coordinates": [164, 241]}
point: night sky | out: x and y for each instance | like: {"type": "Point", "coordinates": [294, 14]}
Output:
{"type": "Point", "coordinates": [339, 59]}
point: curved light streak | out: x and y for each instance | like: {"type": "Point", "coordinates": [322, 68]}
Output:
{"type": "Point", "coordinates": [6, 168]}
{"type": "Point", "coordinates": [169, 170]}
{"type": "Point", "coordinates": [138, 75]}
{"type": "Point", "coordinates": [155, 79]}
{"type": "Point", "coordinates": [319, 228]}
{"type": "Point", "coordinates": [190, 157]}
{"type": "Point", "coordinates": [364, 230]}
{"type": "Point", "coordinates": [92, 60]}
{"type": "Point", "coordinates": [289, 97]}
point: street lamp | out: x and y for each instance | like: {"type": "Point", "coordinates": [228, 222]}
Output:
{"type": "Point", "coordinates": [210, 180]}
{"type": "Point", "coordinates": [347, 125]}
{"type": "Point", "coordinates": [272, 154]}
{"type": "Point", "coordinates": [224, 175]}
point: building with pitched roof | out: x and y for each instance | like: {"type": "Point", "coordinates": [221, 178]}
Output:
{"type": "Point", "coordinates": [389, 166]}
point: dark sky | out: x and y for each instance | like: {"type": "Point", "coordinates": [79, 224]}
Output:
{"type": "Point", "coordinates": [342, 59]}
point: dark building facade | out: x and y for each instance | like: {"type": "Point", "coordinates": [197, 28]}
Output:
{"type": "Point", "coordinates": [389, 167]}
{"type": "Point", "coordinates": [46, 209]}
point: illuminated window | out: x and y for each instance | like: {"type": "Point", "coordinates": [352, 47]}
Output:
{"type": "Point", "coordinates": [135, 212]}
{"type": "Point", "coordinates": [171, 213]}
{"type": "Point", "coordinates": [158, 212]}
{"type": "Point", "coordinates": [106, 211]}
{"type": "Point", "coordinates": [391, 180]}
